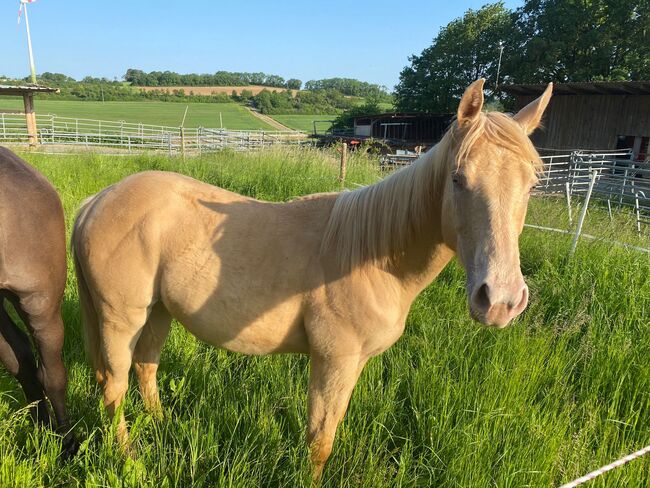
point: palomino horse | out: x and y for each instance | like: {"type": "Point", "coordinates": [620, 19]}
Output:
{"type": "Point", "coordinates": [329, 275]}
{"type": "Point", "coordinates": [32, 279]}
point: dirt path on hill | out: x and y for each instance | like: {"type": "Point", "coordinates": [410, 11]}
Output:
{"type": "Point", "coordinates": [269, 120]}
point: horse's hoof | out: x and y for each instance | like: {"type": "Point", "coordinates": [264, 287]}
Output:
{"type": "Point", "coordinates": [69, 447]}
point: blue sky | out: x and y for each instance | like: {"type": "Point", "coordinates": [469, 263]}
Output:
{"type": "Point", "coordinates": [368, 40]}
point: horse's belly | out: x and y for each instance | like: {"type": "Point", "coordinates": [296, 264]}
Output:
{"type": "Point", "coordinates": [244, 328]}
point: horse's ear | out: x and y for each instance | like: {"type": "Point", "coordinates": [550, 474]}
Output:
{"type": "Point", "coordinates": [530, 116]}
{"type": "Point", "coordinates": [471, 103]}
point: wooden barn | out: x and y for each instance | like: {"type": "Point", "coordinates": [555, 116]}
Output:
{"type": "Point", "coordinates": [403, 128]}
{"type": "Point", "coordinates": [593, 115]}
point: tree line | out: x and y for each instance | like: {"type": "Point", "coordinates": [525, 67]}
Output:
{"type": "Point", "coordinates": [221, 78]}
{"type": "Point", "coordinates": [321, 101]}
{"type": "Point", "coordinates": [542, 41]}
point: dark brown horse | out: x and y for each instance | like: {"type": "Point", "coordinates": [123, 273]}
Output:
{"type": "Point", "coordinates": [32, 279]}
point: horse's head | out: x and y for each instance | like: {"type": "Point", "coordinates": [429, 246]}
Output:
{"type": "Point", "coordinates": [492, 174]}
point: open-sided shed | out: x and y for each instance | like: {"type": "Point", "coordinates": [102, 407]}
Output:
{"type": "Point", "coordinates": [414, 128]}
{"type": "Point", "coordinates": [27, 92]}
{"type": "Point", "coordinates": [592, 115]}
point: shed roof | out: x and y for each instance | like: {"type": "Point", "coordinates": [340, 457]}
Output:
{"type": "Point", "coordinates": [583, 88]}
{"type": "Point", "coordinates": [401, 115]}
{"type": "Point", "coordinates": [22, 89]}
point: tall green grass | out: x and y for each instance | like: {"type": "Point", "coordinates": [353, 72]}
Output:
{"type": "Point", "coordinates": [561, 392]}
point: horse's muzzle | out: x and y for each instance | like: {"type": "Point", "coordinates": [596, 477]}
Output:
{"type": "Point", "coordinates": [497, 304]}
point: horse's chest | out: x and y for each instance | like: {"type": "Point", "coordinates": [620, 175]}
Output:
{"type": "Point", "coordinates": [384, 337]}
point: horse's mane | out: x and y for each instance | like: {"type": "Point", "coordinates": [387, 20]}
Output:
{"type": "Point", "coordinates": [375, 224]}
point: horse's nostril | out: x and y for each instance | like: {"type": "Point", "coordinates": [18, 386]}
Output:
{"type": "Point", "coordinates": [482, 297]}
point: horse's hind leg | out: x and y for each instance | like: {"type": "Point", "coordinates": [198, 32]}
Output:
{"type": "Point", "coordinates": [119, 335]}
{"type": "Point", "coordinates": [46, 326]}
{"type": "Point", "coordinates": [147, 356]}
{"type": "Point", "coordinates": [16, 354]}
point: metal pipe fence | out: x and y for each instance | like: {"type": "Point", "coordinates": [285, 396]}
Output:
{"type": "Point", "coordinates": [619, 183]}
{"type": "Point", "coordinates": [54, 130]}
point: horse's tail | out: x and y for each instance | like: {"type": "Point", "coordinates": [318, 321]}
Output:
{"type": "Point", "coordinates": [89, 319]}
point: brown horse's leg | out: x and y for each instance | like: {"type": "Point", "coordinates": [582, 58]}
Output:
{"type": "Point", "coordinates": [146, 356]}
{"type": "Point", "coordinates": [331, 382]}
{"type": "Point", "coordinates": [46, 326]}
{"type": "Point", "coordinates": [16, 354]}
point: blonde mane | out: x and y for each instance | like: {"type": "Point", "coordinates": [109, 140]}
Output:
{"type": "Point", "coordinates": [376, 223]}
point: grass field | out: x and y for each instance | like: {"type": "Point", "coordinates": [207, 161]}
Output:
{"type": "Point", "coordinates": [234, 116]}
{"type": "Point", "coordinates": [563, 391]}
{"type": "Point", "coordinates": [305, 123]}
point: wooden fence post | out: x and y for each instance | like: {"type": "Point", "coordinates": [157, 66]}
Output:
{"type": "Point", "coordinates": [344, 163]}
{"type": "Point", "coordinates": [30, 118]}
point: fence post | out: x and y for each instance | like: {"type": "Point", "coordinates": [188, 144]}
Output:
{"type": "Point", "coordinates": [567, 189]}
{"type": "Point", "coordinates": [620, 199]}
{"type": "Point", "coordinates": [169, 143]}
{"type": "Point", "coordinates": [183, 142]}
{"type": "Point", "coordinates": [638, 212]}
{"type": "Point", "coordinates": [583, 212]}
{"type": "Point", "coordinates": [344, 163]}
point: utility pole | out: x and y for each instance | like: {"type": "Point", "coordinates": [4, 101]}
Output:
{"type": "Point", "coordinates": [23, 4]}
{"type": "Point", "coordinates": [496, 85]}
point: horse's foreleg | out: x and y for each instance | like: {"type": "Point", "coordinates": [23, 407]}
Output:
{"type": "Point", "coordinates": [331, 382]}
{"type": "Point", "coordinates": [146, 356]}
{"type": "Point", "coordinates": [16, 355]}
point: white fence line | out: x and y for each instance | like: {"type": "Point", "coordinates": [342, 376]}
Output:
{"type": "Point", "coordinates": [54, 130]}
{"type": "Point", "coordinates": [619, 181]}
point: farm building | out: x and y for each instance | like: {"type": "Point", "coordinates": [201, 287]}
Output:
{"type": "Point", "coordinates": [403, 128]}
{"type": "Point", "coordinates": [27, 92]}
{"type": "Point", "coordinates": [593, 115]}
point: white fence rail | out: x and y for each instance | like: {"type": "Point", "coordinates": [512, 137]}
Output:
{"type": "Point", "coordinates": [619, 181]}
{"type": "Point", "coordinates": [54, 130]}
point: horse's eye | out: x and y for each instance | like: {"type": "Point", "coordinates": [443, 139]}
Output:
{"type": "Point", "coordinates": [457, 180]}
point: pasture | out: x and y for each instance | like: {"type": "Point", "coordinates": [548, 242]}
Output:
{"type": "Point", "coordinates": [305, 123]}
{"type": "Point", "coordinates": [562, 391]}
{"type": "Point", "coordinates": [234, 115]}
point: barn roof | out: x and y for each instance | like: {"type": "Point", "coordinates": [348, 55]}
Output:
{"type": "Point", "coordinates": [583, 88]}
{"type": "Point", "coordinates": [22, 89]}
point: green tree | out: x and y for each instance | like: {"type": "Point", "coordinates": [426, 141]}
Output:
{"type": "Point", "coordinates": [465, 50]}
{"type": "Point", "coordinates": [580, 40]}
{"type": "Point", "coordinates": [294, 84]}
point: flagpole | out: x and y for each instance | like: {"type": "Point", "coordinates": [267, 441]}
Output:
{"type": "Point", "coordinates": [29, 45]}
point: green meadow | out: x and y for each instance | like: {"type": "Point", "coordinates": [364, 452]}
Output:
{"type": "Point", "coordinates": [561, 392]}
{"type": "Point", "coordinates": [305, 123]}
{"type": "Point", "coordinates": [233, 115]}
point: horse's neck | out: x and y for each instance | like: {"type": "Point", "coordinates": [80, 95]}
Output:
{"type": "Point", "coordinates": [427, 254]}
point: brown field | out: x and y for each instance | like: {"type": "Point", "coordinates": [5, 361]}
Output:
{"type": "Point", "coordinates": [209, 90]}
